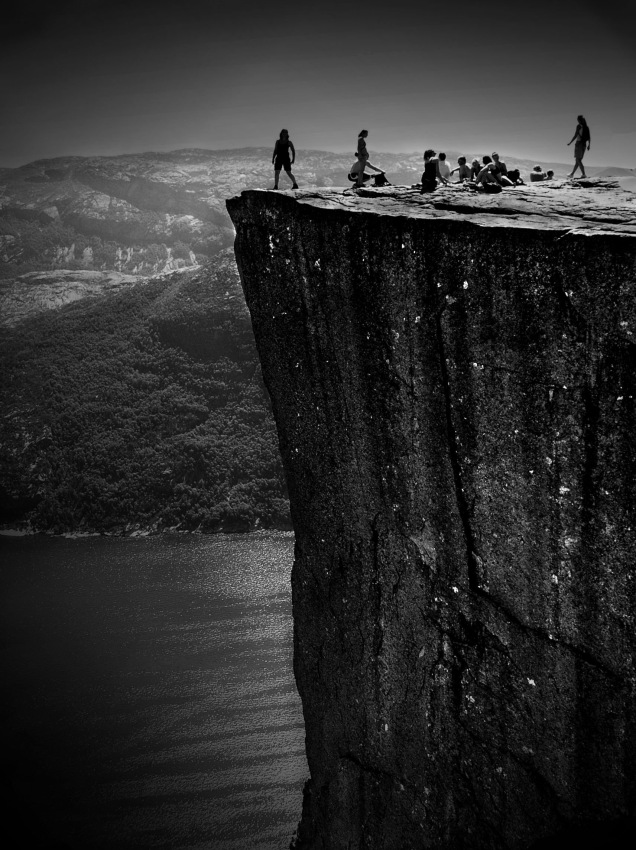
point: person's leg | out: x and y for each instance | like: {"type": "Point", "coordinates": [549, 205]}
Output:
{"type": "Point", "coordinates": [288, 172]}
{"type": "Point", "coordinates": [276, 177]}
{"type": "Point", "coordinates": [579, 150]}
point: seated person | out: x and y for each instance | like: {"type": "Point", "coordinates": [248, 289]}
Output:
{"type": "Point", "coordinates": [487, 178]}
{"type": "Point", "coordinates": [549, 175]}
{"type": "Point", "coordinates": [431, 174]}
{"type": "Point", "coordinates": [500, 165]}
{"type": "Point", "coordinates": [537, 174]}
{"type": "Point", "coordinates": [357, 173]}
{"type": "Point", "coordinates": [475, 168]}
{"type": "Point", "coordinates": [443, 168]}
{"type": "Point", "coordinates": [464, 171]}
{"type": "Point", "coordinates": [501, 170]}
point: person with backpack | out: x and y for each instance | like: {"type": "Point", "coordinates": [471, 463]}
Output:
{"type": "Point", "coordinates": [580, 138]}
{"type": "Point", "coordinates": [281, 158]}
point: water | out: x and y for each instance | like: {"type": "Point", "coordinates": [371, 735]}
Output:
{"type": "Point", "coordinates": [148, 694]}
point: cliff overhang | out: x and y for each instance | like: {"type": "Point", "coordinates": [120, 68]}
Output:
{"type": "Point", "coordinates": [453, 381]}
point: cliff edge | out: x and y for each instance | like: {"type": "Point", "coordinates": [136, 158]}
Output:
{"type": "Point", "coordinates": [453, 381]}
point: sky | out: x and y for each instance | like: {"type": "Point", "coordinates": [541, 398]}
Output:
{"type": "Point", "coordinates": [101, 78]}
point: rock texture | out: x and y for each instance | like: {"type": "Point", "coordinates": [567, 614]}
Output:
{"type": "Point", "coordinates": [453, 381]}
{"type": "Point", "coordinates": [36, 292]}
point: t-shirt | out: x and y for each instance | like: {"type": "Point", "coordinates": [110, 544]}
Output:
{"type": "Point", "coordinates": [444, 169]}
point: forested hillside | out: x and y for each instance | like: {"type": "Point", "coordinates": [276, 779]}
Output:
{"type": "Point", "coordinates": [143, 408]}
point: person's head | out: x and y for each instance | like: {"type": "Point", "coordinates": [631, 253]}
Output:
{"type": "Point", "coordinates": [363, 133]}
{"type": "Point", "coordinates": [581, 119]}
{"type": "Point", "coordinates": [487, 160]}
{"type": "Point", "coordinates": [495, 155]}
{"type": "Point", "coordinates": [428, 153]}
{"type": "Point", "coordinates": [461, 160]}
{"type": "Point", "coordinates": [476, 163]}
{"type": "Point", "coordinates": [442, 156]}
{"type": "Point", "coordinates": [284, 134]}
{"type": "Point", "coordinates": [550, 173]}
{"type": "Point", "coordinates": [537, 168]}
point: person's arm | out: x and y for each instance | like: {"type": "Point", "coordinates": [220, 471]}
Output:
{"type": "Point", "coordinates": [293, 150]}
{"type": "Point", "coordinates": [576, 132]}
{"type": "Point", "coordinates": [589, 138]}
{"type": "Point", "coordinates": [274, 154]}
{"type": "Point", "coordinates": [503, 168]}
{"type": "Point", "coordinates": [480, 177]}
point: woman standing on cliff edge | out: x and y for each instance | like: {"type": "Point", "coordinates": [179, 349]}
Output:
{"type": "Point", "coordinates": [580, 138]}
{"type": "Point", "coordinates": [281, 159]}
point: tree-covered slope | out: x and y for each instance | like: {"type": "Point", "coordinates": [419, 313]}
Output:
{"type": "Point", "coordinates": [141, 408]}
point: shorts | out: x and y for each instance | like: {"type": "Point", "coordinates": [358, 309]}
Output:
{"type": "Point", "coordinates": [579, 150]}
{"type": "Point", "coordinates": [282, 162]}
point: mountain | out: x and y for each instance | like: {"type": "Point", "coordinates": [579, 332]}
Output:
{"type": "Point", "coordinates": [151, 213]}
{"type": "Point", "coordinates": [143, 408]}
{"type": "Point", "coordinates": [131, 392]}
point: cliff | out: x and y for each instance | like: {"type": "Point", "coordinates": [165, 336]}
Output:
{"type": "Point", "coordinates": [453, 381]}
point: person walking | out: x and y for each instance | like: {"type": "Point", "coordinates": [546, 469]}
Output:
{"type": "Point", "coordinates": [281, 158]}
{"type": "Point", "coordinates": [580, 138]}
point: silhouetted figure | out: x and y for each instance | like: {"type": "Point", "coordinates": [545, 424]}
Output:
{"type": "Point", "coordinates": [363, 159]}
{"type": "Point", "coordinates": [431, 174]}
{"type": "Point", "coordinates": [580, 138]}
{"type": "Point", "coordinates": [281, 158]}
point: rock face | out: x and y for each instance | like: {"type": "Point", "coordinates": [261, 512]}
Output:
{"type": "Point", "coordinates": [453, 381]}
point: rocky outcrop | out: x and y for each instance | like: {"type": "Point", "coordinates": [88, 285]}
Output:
{"type": "Point", "coordinates": [453, 381]}
{"type": "Point", "coordinates": [36, 292]}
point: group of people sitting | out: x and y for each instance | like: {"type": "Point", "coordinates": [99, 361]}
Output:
{"type": "Point", "coordinates": [537, 174]}
{"type": "Point", "coordinates": [490, 174]}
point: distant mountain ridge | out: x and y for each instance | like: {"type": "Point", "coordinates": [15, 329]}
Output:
{"type": "Point", "coordinates": [153, 213]}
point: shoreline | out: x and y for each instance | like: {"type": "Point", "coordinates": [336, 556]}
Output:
{"type": "Point", "coordinates": [14, 533]}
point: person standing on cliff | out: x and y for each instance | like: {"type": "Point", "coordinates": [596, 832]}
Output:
{"type": "Point", "coordinates": [580, 138]}
{"type": "Point", "coordinates": [281, 158]}
{"type": "Point", "coordinates": [363, 159]}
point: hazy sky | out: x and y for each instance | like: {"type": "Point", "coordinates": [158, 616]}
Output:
{"type": "Point", "coordinates": [98, 77]}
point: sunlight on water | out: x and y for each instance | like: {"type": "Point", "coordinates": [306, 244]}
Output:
{"type": "Point", "coordinates": [150, 694]}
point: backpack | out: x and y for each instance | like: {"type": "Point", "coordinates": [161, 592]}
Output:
{"type": "Point", "coordinates": [380, 180]}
